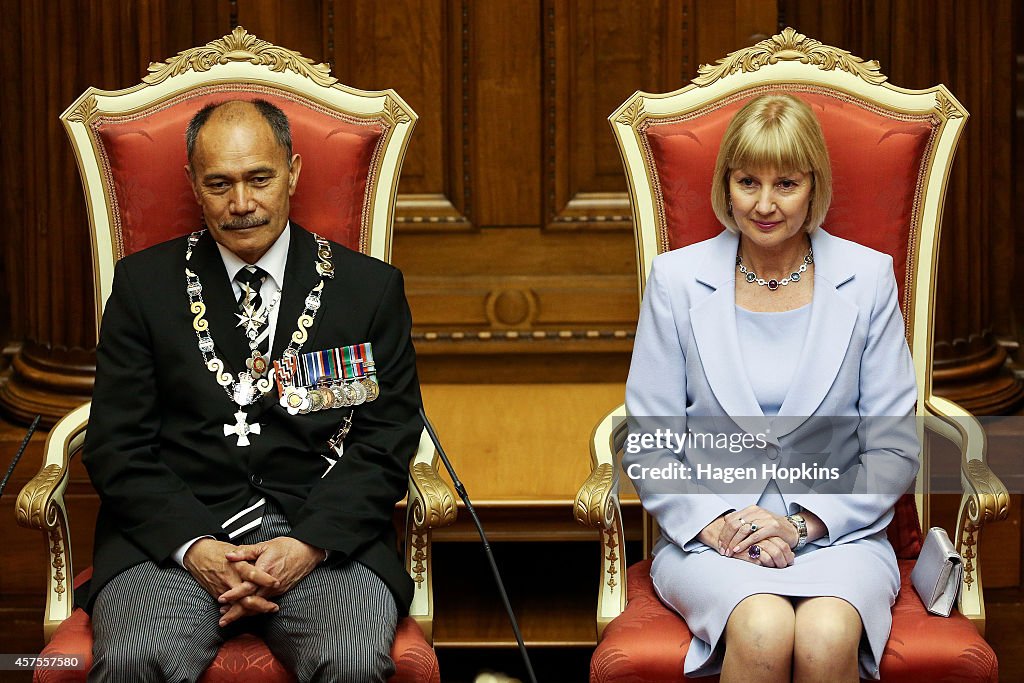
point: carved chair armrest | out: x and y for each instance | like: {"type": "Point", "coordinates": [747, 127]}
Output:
{"type": "Point", "coordinates": [40, 506]}
{"type": "Point", "coordinates": [431, 501]}
{"type": "Point", "coordinates": [597, 506]}
{"type": "Point", "coordinates": [985, 498]}
{"type": "Point", "coordinates": [431, 505]}
{"type": "Point", "coordinates": [600, 492]}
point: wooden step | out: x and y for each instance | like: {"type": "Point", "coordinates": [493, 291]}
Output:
{"type": "Point", "coordinates": [552, 588]}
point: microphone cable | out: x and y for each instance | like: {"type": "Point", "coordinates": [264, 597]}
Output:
{"type": "Point", "coordinates": [21, 451]}
{"type": "Point", "coordinates": [461, 490]}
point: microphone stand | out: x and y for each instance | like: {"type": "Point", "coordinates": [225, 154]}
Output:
{"type": "Point", "coordinates": [461, 490]}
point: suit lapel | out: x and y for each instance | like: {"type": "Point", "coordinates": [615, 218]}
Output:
{"type": "Point", "coordinates": [828, 336]}
{"type": "Point", "coordinates": [714, 329]}
{"type": "Point", "coordinates": [229, 339]}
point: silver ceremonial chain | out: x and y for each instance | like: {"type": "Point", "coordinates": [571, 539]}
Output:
{"type": "Point", "coordinates": [773, 284]}
{"type": "Point", "coordinates": [246, 389]}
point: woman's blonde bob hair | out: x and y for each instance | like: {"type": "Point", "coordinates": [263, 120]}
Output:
{"type": "Point", "coordinates": [777, 132]}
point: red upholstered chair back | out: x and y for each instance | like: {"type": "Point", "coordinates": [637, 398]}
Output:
{"type": "Point", "coordinates": [143, 158]}
{"type": "Point", "coordinates": [890, 152]}
{"type": "Point", "coordinates": [130, 146]}
{"type": "Point", "coordinates": [878, 160]}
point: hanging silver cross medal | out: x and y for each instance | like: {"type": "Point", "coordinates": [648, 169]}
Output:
{"type": "Point", "coordinates": [243, 394]}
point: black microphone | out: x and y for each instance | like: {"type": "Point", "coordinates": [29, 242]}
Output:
{"type": "Point", "coordinates": [461, 490]}
{"type": "Point", "coordinates": [21, 451]}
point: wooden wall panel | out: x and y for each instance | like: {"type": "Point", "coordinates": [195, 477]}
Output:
{"type": "Point", "coordinates": [296, 24]}
{"type": "Point", "coordinates": [592, 56]}
{"type": "Point", "coordinates": [723, 27]}
{"type": "Point", "coordinates": [599, 53]}
{"type": "Point", "coordinates": [505, 112]}
{"type": "Point", "coordinates": [428, 67]}
{"type": "Point", "coordinates": [52, 52]}
{"type": "Point", "coordinates": [970, 48]}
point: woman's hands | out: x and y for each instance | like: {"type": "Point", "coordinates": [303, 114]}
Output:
{"type": "Point", "coordinates": [734, 534]}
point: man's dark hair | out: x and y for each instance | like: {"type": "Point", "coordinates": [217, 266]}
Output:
{"type": "Point", "coordinates": [272, 114]}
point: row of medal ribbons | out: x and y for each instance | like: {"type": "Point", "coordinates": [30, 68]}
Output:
{"type": "Point", "coordinates": [332, 378]}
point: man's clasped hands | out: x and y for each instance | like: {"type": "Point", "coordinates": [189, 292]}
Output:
{"type": "Point", "coordinates": [244, 578]}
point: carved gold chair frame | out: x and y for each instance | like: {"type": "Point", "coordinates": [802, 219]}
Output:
{"type": "Point", "coordinates": [792, 58]}
{"type": "Point", "coordinates": [238, 58]}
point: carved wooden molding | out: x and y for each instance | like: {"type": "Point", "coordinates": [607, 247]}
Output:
{"type": "Point", "coordinates": [632, 115]}
{"type": "Point", "coordinates": [394, 113]}
{"type": "Point", "coordinates": [790, 46]}
{"type": "Point", "coordinates": [595, 208]}
{"type": "Point", "coordinates": [31, 511]}
{"type": "Point", "coordinates": [992, 502]}
{"type": "Point", "coordinates": [610, 539]}
{"type": "Point", "coordinates": [520, 335]}
{"type": "Point", "coordinates": [968, 542]}
{"type": "Point", "coordinates": [592, 501]}
{"type": "Point", "coordinates": [85, 111]}
{"type": "Point", "coordinates": [240, 46]}
{"type": "Point", "coordinates": [945, 108]}
{"type": "Point", "coordinates": [419, 554]}
{"type": "Point", "coordinates": [439, 504]}
{"type": "Point", "coordinates": [57, 562]}
{"type": "Point", "coordinates": [989, 503]}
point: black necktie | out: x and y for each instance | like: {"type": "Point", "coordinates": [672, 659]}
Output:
{"type": "Point", "coordinates": [251, 279]}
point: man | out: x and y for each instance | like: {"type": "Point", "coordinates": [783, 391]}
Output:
{"type": "Point", "coordinates": [225, 505]}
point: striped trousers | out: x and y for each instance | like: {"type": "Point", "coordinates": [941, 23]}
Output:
{"type": "Point", "coordinates": [157, 623]}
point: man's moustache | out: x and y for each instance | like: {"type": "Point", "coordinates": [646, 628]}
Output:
{"type": "Point", "coordinates": [245, 223]}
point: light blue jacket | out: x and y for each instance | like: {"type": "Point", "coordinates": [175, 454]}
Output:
{"type": "Point", "coordinates": [855, 362]}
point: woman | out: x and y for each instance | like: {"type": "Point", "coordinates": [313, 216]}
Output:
{"type": "Point", "coordinates": [778, 326]}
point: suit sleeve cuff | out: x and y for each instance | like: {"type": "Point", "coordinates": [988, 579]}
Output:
{"type": "Point", "coordinates": [179, 554]}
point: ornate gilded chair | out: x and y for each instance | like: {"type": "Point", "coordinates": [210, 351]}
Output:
{"type": "Point", "coordinates": [891, 152]}
{"type": "Point", "coordinates": [130, 150]}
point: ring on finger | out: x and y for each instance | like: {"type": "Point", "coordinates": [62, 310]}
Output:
{"type": "Point", "coordinates": [754, 552]}
{"type": "Point", "coordinates": [753, 527]}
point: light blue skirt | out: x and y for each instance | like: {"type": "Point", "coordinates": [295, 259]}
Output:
{"type": "Point", "coordinates": [704, 588]}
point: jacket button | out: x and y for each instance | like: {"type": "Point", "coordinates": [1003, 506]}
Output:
{"type": "Point", "coordinates": [256, 479]}
{"type": "Point", "coordinates": [773, 452]}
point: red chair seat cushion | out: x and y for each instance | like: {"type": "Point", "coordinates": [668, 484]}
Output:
{"type": "Point", "coordinates": [244, 658]}
{"type": "Point", "coordinates": [648, 642]}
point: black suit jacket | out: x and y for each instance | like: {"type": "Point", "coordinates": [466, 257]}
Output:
{"type": "Point", "coordinates": [155, 447]}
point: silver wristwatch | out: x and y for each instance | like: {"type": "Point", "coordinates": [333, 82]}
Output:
{"type": "Point", "coordinates": [801, 530]}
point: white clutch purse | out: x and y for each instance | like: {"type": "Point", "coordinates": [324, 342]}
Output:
{"type": "Point", "coordinates": [938, 573]}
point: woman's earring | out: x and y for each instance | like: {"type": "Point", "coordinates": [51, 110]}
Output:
{"type": "Point", "coordinates": [729, 209]}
